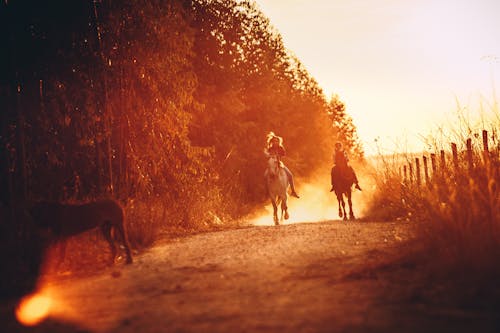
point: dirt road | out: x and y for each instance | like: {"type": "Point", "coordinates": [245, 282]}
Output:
{"type": "Point", "coordinates": [311, 277]}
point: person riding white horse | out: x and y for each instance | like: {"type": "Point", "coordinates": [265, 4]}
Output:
{"type": "Point", "coordinates": [275, 147]}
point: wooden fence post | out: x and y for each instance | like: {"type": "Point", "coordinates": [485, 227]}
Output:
{"type": "Point", "coordinates": [426, 171]}
{"type": "Point", "coordinates": [455, 156]}
{"type": "Point", "coordinates": [443, 162]}
{"type": "Point", "coordinates": [417, 170]}
{"type": "Point", "coordinates": [486, 151]}
{"type": "Point", "coordinates": [433, 164]}
{"type": "Point", "coordinates": [411, 173]}
{"type": "Point", "coordinates": [470, 161]}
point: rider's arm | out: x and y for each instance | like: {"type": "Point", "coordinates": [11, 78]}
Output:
{"type": "Point", "coordinates": [281, 151]}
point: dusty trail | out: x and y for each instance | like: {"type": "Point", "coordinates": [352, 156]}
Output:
{"type": "Point", "coordinates": [311, 277]}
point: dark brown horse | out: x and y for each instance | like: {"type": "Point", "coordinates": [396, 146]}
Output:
{"type": "Point", "coordinates": [342, 181]}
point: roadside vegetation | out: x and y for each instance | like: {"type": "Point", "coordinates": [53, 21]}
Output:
{"type": "Point", "coordinates": [452, 194]}
{"type": "Point", "coordinates": [162, 105]}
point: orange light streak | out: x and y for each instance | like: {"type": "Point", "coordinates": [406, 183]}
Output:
{"type": "Point", "coordinates": [33, 309]}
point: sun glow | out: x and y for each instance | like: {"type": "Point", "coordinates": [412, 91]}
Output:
{"type": "Point", "coordinates": [316, 203]}
{"type": "Point", "coordinates": [33, 309]}
{"type": "Point", "coordinates": [399, 66]}
{"type": "Point", "coordinates": [45, 302]}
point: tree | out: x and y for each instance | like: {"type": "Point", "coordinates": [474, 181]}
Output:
{"type": "Point", "coordinates": [344, 127]}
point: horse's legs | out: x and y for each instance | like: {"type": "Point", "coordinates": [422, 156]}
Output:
{"type": "Point", "coordinates": [275, 212]}
{"type": "Point", "coordinates": [282, 214]}
{"type": "Point", "coordinates": [349, 201]}
{"type": "Point", "coordinates": [343, 206]}
{"type": "Point", "coordinates": [339, 200]}
{"type": "Point", "coordinates": [284, 208]}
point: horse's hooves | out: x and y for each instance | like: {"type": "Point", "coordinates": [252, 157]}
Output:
{"type": "Point", "coordinates": [287, 216]}
{"type": "Point", "coordinates": [345, 218]}
{"type": "Point", "coordinates": [352, 218]}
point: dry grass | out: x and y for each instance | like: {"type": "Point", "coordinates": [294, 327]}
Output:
{"type": "Point", "coordinates": [149, 220]}
{"type": "Point", "coordinates": [457, 212]}
{"type": "Point", "coordinates": [462, 217]}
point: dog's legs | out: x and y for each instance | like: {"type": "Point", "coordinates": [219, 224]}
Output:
{"type": "Point", "coordinates": [121, 230]}
{"type": "Point", "coordinates": [106, 231]}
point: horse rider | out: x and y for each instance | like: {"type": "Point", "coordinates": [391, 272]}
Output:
{"type": "Point", "coordinates": [341, 165]}
{"type": "Point", "coordinates": [275, 147]}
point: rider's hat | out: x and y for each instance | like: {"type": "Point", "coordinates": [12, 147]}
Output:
{"type": "Point", "coordinates": [273, 137]}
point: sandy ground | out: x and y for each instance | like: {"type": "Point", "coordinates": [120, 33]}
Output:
{"type": "Point", "coordinates": [327, 276]}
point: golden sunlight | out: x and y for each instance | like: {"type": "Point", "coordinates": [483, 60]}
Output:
{"type": "Point", "coordinates": [33, 309]}
{"type": "Point", "coordinates": [399, 66]}
{"type": "Point", "coordinates": [316, 203]}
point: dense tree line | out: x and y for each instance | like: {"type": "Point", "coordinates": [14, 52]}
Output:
{"type": "Point", "coordinates": [154, 100]}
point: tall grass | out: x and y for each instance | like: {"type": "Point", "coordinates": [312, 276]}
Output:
{"type": "Point", "coordinates": [457, 209]}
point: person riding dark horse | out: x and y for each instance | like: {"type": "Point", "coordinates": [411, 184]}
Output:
{"type": "Point", "coordinates": [275, 147]}
{"type": "Point", "coordinates": [342, 168]}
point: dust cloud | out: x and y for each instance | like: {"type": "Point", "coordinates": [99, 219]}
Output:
{"type": "Point", "coordinates": [316, 202]}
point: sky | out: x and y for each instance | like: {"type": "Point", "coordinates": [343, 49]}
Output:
{"type": "Point", "coordinates": [400, 66]}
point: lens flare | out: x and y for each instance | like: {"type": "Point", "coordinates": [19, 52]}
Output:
{"type": "Point", "coordinates": [33, 309]}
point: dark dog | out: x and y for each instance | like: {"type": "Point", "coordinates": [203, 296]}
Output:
{"type": "Point", "coordinates": [60, 221]}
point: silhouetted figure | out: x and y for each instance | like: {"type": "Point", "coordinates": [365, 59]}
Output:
{"type": "Point", "coordinates": [342, 168]}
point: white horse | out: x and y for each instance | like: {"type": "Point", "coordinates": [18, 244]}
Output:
{"type": "Point", "coordinates": [277, 186]}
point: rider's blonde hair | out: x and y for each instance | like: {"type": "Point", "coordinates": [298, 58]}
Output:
{"type": "Point", "coordinates": [271, 136]}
